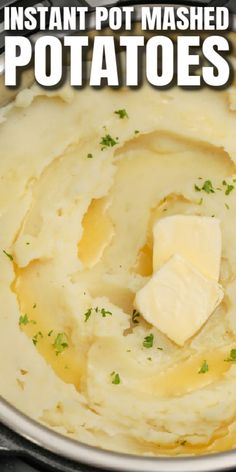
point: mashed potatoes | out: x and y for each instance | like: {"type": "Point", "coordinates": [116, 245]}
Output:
{"type": "Point", "coordinates": [81, 189]}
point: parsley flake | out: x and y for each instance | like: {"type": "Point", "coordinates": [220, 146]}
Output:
{"type": "Point", "coordinates": [136, 131]}
{"type": "Point", "coordinates": [103, 312]}
{"type": "Point", "coordinates": [87, 314]}
{"type": "Point", "coordinates": [36, 337]}
{"type": "Point", "coordinates": [208, 187]}
{"type": "Point", "coordinates": [24, 320]}
{"type": "Point", "coordinates": [115, 378]}
{"type": "Point", "coordinates": [89, 155]}
{"type": "Point", "coordinates": [107, 141]}
{"type": "Point", "coordinates": [122, 113]}
{"type": "Point", "coordinates": [227, 206]}
{"type": "Point", "coordinates": [148, 341]}
{"type": "Point", "coordinates": [8, 255]}
{"type": "Point", "coordinates": [232, 357]}
{"type": "Point", "coordinates": [229, 189]}
{"type": "Point", "coordinates": [204, 368]}
{"type": "Point", "coordinates": [60, 343]}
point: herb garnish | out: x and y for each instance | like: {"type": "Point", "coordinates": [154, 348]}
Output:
{"type": "Point", "coordinates": [8, 255]}
{"type": "Point", "coordinates": [204, 368]}
{"type": "Point", "coordinates": [115, 378]}
{"type": "Point", "coordinates": [87, 314]}
{"type": "Point", "coordinates": [232, 357]}
{"type": "Point", "coordinates": [135, 315]}
{"type": "Point", "coordinates": [60, 343]}
{"type": "Point", "coordinates": [227, 206]}
{"type": "Point", "coordinates": [148, 341]}
{"type": "Point", "coordinates": [108, 141]}
{"type": "Point", "coordinates": [229, 189]}
{"type": "Point", "coordinates": [103, 312]}
{"type": "Point", "coordinates": [136, 131]}
{"type": "Point", "coordinates": [36, 337]}
{"type": "Point", "coordinates": [207, 187]}
{"type": "Point", "coordinates": [89, 155]}
{"type": "Point", "coordinates": [24, 320]}
{"type": "Point", "coordinates": [121, 113]}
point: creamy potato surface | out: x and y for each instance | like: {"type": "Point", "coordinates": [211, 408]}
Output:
{"type": "Point", "coordinates": [81, 190]}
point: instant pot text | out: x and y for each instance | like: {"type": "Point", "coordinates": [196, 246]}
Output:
{"type": "Point", "coordinates": [188, 59]}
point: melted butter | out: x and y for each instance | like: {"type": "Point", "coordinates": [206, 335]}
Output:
{"type": "Point", "coordinates": [68, 365]}
{"type": "Point", "coordinates": [185, 377]}
{"type": "Point", "coordinates": [143, 264]}
{"type": "Point", "coordinates": [97, 234]}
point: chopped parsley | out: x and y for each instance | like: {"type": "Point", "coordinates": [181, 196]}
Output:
{"type": "Point", "coordinates": [89, 155]}
{"type": "Point", "coordinates": [229, 189]}
{"type": "Point", "coordinates": [115, 378]}
{"type": "Point", "coordinates": [103, 312]}
{"type": "Point", "coordinates": [227, 206]}
{"type": "Point", "coordinates": [232, 357]}
{"type": "Point", "coordinates": [208, 187]}
{"type": "Point", "coordinates": [122, 113]}
{"type": "Point", "coordinates": [135, 315]}
{"type": "Point", "coordinates": [148, 341]}
{"type": "Point", "coordinates": [8, 255]}
{"type": "Point", "coordinates": [198, 189]}
{"type": "Point", "coordinates": [34, 306]}
{"type": "Point", "coordinates": [36, 337]}
{"type": "Point", "coordinates": [60, 343]}
{"type": "Point", "coordinates": [204, 368]}
{"type": "Point", "coordinates": [24, 320]}
{"type": "Point", "coordinates": [50, 333]}
{"type": "Point", "coordinates": [87, 314]}
{"type": "Point", "coordinates": [136, 131]}
{"type": "Point", "coordinates": [107, 141]}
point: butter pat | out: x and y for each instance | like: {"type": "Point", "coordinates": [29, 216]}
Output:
{"type": "Point", "coordinates": [178, 299]}
{"type": "Point", "coordinates": [196, 238]}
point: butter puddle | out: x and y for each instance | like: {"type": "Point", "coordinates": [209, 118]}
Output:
{"type": "Point", "coordinates": [97, 234]}
{"type": "Point", "coordinates": [68, 365]}
{"type": "Point", "coordinates": [185, 377]}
